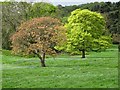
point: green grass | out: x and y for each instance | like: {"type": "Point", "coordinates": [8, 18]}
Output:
{"type": "Point", "coordinates": [97, 70]}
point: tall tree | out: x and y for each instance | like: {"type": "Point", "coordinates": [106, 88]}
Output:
{"type": "Point", "coordinates": [86, 31]}
{"type": "Point", "coordinates": [38, 36]}
{"type": "Point", "coordinates": [13, 13]}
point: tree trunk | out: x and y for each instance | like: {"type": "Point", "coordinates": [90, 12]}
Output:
{"type": "Point", "coordinates": [43, 60]}
{"type": "Point", "coordinates": [83, 53]}
{"type": "Point", "coordinates": [43, 63]}
{"type": "Point", "coordinates": [119, 47]}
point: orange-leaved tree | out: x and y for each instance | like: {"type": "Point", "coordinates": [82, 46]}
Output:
{"type": "Point", "coordinates": [38, 36]}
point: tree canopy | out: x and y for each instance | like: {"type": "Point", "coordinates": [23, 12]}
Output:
{"type": "Point", "coordinates": [86, 31]}
{"type": "Point", "coordinates": [110, 10]}
{"type": "Point", "coordinates": [13, 13]}
{"type": "Point", "coordinates": [38, 36]}
{"type": "Point", "coordinates": [42, 9]}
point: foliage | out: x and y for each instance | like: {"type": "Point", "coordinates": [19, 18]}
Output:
{"type": "Point", "coordinates": [116, 38]}
{"type": "Point", "coordinates": [108, 9]}
{"type": "Point", "coordinates": [38, 36]}
{"type": "Point", "coordinates": [13, 13]}
{"type": "Point", "coordinates": [86, 30]}
{"type": "Point", "coordinates": [42, 9]}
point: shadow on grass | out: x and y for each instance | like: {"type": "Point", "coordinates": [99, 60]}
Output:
{"type": "Point", "coordinates": [69, 65]}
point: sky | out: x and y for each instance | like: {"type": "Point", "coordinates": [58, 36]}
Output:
{"type": "Point", "coordinates": [67, 2]}
{"type": "Point", "coordinates": [77, 2]}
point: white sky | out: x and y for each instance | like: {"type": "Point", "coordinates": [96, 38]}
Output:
{"type": "Point", "coordinates": [67, 2]}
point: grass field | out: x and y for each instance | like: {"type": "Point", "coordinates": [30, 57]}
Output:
{"type": "Point", "coordinates": [97, 70]}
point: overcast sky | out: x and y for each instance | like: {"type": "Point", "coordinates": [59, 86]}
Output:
{"type": "Point", "coordinates": [67, 2]}
{"type": "Point", "coordinates": [77, 2]}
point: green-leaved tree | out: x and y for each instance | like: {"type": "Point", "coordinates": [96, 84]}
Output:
{"type": "Point", "coordinates": [86, 30]}
{"type": "Point", "coordinates": [42, 9]}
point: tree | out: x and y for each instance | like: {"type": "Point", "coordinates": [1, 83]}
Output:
{"type": "Point", "coordinates": [38, 36]}
{"type": "Point", "coordinates": [108, 9]}
{"type": "Point", "coordinates": [42, 9]}
{"type": "Point", "coordinates": [86, 31]}
{"type": "Point", "coordinates": [12, 15]}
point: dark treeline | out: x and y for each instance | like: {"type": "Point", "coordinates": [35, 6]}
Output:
{"type": "Point", "coordinates": [14, 13]}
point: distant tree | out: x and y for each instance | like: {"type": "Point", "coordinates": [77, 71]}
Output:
{"type": "Point", "coordinates": [38, 36]}
{"type": "Point", "coordinates": [64, 11]}
{"type": "Point", "coordinates": [13, 13]}
{"type": "Point", "coordinates": [42, 9]}
{"type": "Point", "coordinates": [86, 30]}
{"type": "Point", "coordinates": [116, 38]}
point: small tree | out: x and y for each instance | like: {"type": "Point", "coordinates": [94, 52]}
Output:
{"type": "Point", "coordinates": [38, 36]}
{"type": "Point", "coordinates": [86, 31]}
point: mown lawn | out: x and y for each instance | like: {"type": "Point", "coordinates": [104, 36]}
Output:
{"type": "Point", "coordinates": [97, 70]}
